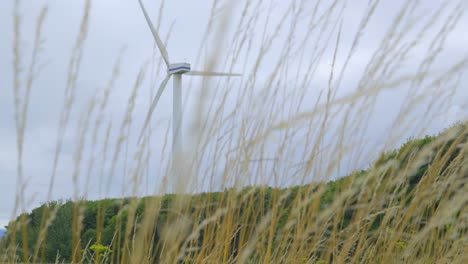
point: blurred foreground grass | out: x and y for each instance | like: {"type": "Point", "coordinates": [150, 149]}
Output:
{"type": "Point", "coordinates": [410, 206]}
{"type": "Point", "coordinates": [299, 116]}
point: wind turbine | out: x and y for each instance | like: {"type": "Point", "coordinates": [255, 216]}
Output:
{"type": "Point", "coordinates": [175, 70]}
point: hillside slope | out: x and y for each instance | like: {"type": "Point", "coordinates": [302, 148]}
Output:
{"type": "Point", "coordinates": [410, 206]}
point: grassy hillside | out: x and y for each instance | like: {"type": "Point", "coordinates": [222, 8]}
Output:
{"type": "Point", "coordinates": [410, 206]}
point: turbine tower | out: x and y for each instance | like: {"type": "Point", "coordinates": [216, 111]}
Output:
{"type": "Point", "coordinates": [175, 70]}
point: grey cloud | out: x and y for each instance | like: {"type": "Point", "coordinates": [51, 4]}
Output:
{"type": "Point", "coordinates": [115, 24]}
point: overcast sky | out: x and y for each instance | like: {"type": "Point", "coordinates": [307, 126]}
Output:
{"type": "Point", "coordinates": [119, 25]}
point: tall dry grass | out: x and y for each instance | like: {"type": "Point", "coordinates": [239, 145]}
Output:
{"type": "Point", "coordinates": [285, 122]}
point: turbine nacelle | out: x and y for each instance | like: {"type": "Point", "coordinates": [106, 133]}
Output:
{"type": "Point", "coordinates": [178, 68]}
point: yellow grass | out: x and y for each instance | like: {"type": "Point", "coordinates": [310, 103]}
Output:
{"type": "Point", "coordinates": [274, 126]}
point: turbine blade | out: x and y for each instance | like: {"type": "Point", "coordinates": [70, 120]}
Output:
{"type": "Point", "coordinates": [153, 105]}
{"type": "Point", "coordinates": [159, 43]}
{"type": "Point", "coordinates": [208, 73]}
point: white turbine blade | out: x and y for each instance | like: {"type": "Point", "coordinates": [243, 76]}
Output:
{"type": "Point", "coordinates": [160, 44]}
{"type": "Point", "coordinates": [153, 104]}
{"type": "Point", "coordinates": [208, 73]}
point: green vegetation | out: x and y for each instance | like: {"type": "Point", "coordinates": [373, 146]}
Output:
{"type": "Point", "coordinates": [409, 205]}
